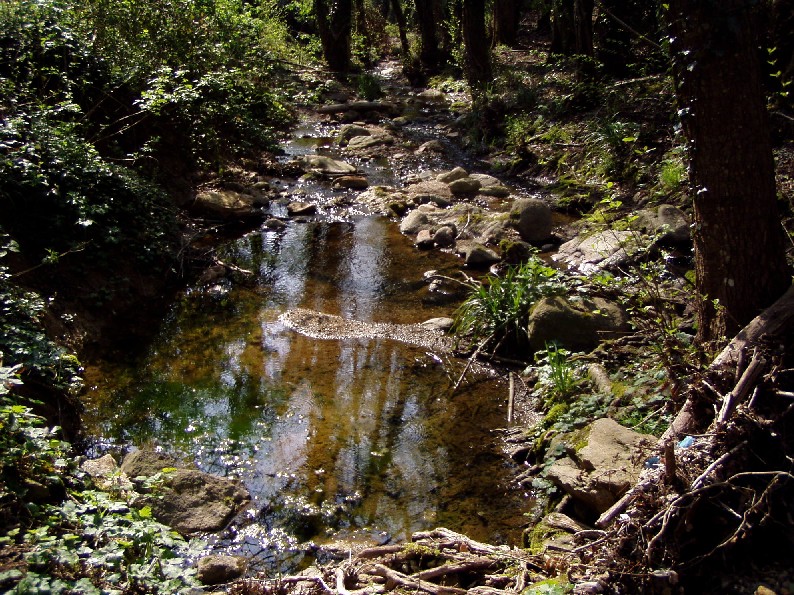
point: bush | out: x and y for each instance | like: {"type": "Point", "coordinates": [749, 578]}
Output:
{"type": "Point", "coordinates": [497, 310]}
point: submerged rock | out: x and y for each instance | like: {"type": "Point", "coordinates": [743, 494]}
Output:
{"type": "Point", "coordinates": [296, 209]}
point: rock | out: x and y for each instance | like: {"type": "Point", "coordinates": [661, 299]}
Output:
{"type": "Point", "coordinates": [576, 324]}
{"type": "Point", "coordinates": [450, 176]}
{"type": "Point", "coordinates": [351, 182]}
{"type": "Point", "coordinates": [465, 185]}
{"type": "Point", "coordinates": [325, 165]}
{"type": "Point", "coordinates": [485, 180]}
{"type": "Point", "coordinates": [439, 324]}
{"type": "Point", "coordinates": [433, 146]}
{"type": "Point", "coordinates": [145, 463]}
{"type": "Point", "coordinates": [532, 218]}
{"type": "Point", "coordinates": [413, 222]}
{"type": "Point", "coordinates": [228, 204]}
{"type": "Point", "coordinates": [667, 221]}
{"type": "Point", "coordinates": [429, 188]}
{"type": "Point", "coordinates": [476, 255]}
{"type": "Point", "coordinates": [296, 209]}
{"type": "Point", "coordinates": [432, 96]}
{"type": "Point", "coordinates": [424, 239]}
{"type": "Point", "coordinates": [106, 474]}
{"type": "Point", "coordinates": [517, 252]}
{"type": "Point", "coordinates": [274, 224]}
{"type": "Point", "coordinates": [358, 143]}
{"type": "Point", "coordinates": [557, 520]}
{"type": "Point", "coordinates": [218, 569]}
{"type": "Point", "coordinates": [435, 199]}
{"type": "Point", "coordinates": [349, 131]}
{"type": "Point", "coordinates": [495, 191]}
{"type": "Point", "coordinates": [603, 470]}
{"type": "Point", "coordinates": [598, 251]}
{"type": "Point", "coordinates": [588, 588]}
{"type": "Point", "coordinates": [189, 501]}
{"type": "Point", "coordinates": [444, 236]}
{"type": "Point", "coordinates": [492, 231]}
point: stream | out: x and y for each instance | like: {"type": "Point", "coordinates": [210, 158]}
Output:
{"type": "Point", "coordinates": [338, 440]}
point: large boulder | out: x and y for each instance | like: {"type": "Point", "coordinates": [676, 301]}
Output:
{"type": "Point", "coordinates": [597, 475]}
{"type": "Point", "coordinates": [189, 501]}
{"type": "Point", "coordinates": [578, 324]}
{"type": "Point", "coordinates": [601, 250]}
{"type": "Point", "coordinates": [532, 218]}
{"type": "Point", "coordinates": [668, 222]}
{"type": "Point", "coordinates": [325, 165]}
{"type": "Point", "coordinates": [228, 204]}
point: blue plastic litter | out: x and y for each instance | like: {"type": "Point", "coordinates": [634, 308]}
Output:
{"type": "Point", "coordinates": [652, 463]}
{"type": "Point", "coordinates": [686, 442]}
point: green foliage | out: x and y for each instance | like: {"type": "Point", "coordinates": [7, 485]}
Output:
{"type": "Point", "coordinates": [556, 372]}
{"type": "Point", "coordinates": [497, 309]}
{"type": "Point", "coordinates": [88, 542]}
{"type": "Point", "coordinates": [59, 195]}
{"type": "Point", "coordinates": [672, 174]}
{"type": "Point", "coordinates": [368, 86]}
{"type": "Point", "coordinates": [552, 586]}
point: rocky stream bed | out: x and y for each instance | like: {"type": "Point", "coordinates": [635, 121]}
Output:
{"type": "Point", "coordinates": [401, 158]}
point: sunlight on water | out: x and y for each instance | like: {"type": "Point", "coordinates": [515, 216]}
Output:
{"type": "Point", "coordinates": [331, 437]}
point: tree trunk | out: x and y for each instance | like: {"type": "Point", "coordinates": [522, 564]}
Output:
{"type": "Point", "coordinates": [335, 28]}
{"type": "Point", "coordinates": [572, 27]}
{"type": "Point", "coordinates": [429, 55]}
{"type": "Point", "coordinates": [739, 242]}
{"type": "Point", "coordinates": [477, 47]}
{"type": "Point", "coordinates": [399, 16]}
{"type": "Point", "coordinates": [506, 15]}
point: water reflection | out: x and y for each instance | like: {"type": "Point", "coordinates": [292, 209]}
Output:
{"type": "Point", "coordinates": [328, 435]}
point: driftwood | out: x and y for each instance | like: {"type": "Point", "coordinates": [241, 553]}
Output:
{"type": "Point", "coordinates": [775, 321]}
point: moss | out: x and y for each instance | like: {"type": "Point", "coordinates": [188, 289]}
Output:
{"type": "Point", "coordinates": [534, 538]}
{"type": "Point", "coordinates": [555, 413]}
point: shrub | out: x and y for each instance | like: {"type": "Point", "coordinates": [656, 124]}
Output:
{"type": "Point", "coordinates": [497, 309]}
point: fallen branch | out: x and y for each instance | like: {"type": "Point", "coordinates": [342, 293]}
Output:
{"type": "Point", "coordinates": [403, 580]}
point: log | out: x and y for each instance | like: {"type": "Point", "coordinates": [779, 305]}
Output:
{"type": "Point", "coordinates": [403, 580]}
{"type": "Point", "coordinates": [474, 564]}
{"type": "Point", "coordinates": [356, 106]}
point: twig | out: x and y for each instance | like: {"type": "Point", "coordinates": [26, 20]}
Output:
{"type": "Point", "coordinates": [511, 398]}
{"type": "Point", "coordinates": [725, 456]}
{"type": "Point", "coordinates": [471, 360]}
{"type": "Point", "coordinates": [742, 388]}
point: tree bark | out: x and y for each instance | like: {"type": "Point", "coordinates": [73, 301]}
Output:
{"type": "Point", "coordinates": [477, 47]}
{"type": "Point", "coordinates": [335, 28]}
{"type": "Point", "coordinates": [506, 15]}
{"type": "Point", "coordinates": [739, 242]}
{"type": "Point", "coordinates": [399, 16]}
{"type": "Point", "coordinates": [572, 27]}
{"type": "Point", "coordinates": [426, 17]}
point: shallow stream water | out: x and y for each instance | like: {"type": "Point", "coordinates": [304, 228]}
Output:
{"type": "Point", "coordinates": [336, 439]}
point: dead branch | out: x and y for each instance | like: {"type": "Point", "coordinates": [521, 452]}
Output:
{"type": "Point", "coordinates": [477, 564]}
{"type": "Point", "coordinates": [403, 580]}
{"type": "Point", "coordinates": [743, 387]}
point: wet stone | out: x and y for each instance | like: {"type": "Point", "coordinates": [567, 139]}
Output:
{"type": "Point", "coordinates": [424, 239]}
{"type": "Point", "coordinates": [298, 209]}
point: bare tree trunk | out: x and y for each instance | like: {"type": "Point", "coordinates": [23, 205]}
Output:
{"type": "Point", "coordinates": [430, 55]}
{"type": "Point", "coordinates": [506, 15]}
{"type": "Point", "coordinates": [475, 38]}
{"type": "Point", "coordinates": [572, 27]}
{"type": "Point", "coordinates": [335, 28]}
{"type": "Point", "coordinates": [739, 242]}
{"type": "Point", "coordinates": [399, 15]}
